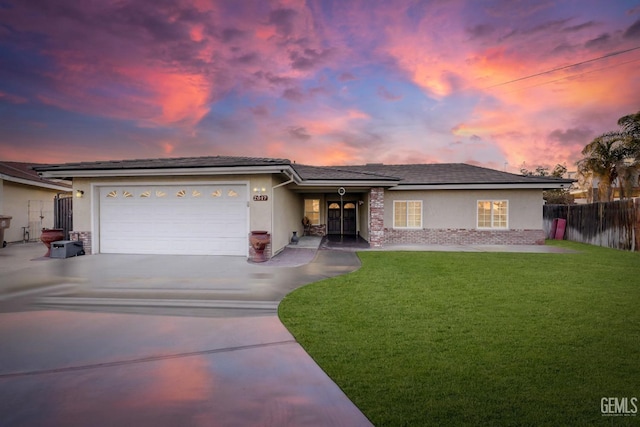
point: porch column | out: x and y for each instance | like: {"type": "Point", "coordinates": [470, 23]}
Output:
{"type": "Point", "coordinates": [376, 216]}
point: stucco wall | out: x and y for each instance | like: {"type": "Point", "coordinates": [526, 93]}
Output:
{"type": "Point", "coordinates": [82, 206]}
{"type": "Point", "coordinates": [288, 210]}
{"type": "Point", "coordinates": [457, 209]}
{"type": "Point", "coordinates": [15, 203]}
{"type": "Point", "coordinates": [259, 211]}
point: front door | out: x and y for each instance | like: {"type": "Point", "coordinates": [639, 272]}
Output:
{"type": "Point", "coordinates": [349, 218]}
{"type": "Point", "coordinates": [341, 219]}
{"type": "Point", "coordinates": [334, 218]}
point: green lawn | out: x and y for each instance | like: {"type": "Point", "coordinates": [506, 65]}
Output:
{"type": "Point", "coordinates": [434, 338]}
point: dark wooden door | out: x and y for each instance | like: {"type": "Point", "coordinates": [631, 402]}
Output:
{"type": "Point", "coordinates": [349, 218]}
{"type": "Point", "coordinates": [333, 218]}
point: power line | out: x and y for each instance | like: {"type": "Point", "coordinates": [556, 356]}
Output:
{"type": "Point", "coordinates": [574, 75]}
{"type": "Point", "coordinates": [608, 55]}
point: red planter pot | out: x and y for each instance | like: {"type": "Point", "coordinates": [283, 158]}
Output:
{"type": "Point", "coordinates": [259, 240]}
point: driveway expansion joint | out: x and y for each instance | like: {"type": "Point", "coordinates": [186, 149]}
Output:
{"type": "Point", "coordinates": [149, 302]}
{"type": "Point", "coordinates": [145, 359]}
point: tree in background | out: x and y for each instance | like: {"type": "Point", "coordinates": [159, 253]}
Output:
{"type": "Point", "coordinates": [560, 196]}
{"type": "Point", "coordinates": [614, 157]}
{"type": "Point", "coordinates": [630, 129]}
{"type": "Point", "coordinates": [630, 125]}
{"type": "Point", "coordinates": [603, 159]}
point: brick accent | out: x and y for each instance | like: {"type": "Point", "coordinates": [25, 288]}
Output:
{"type": "Point", "coordinates": [464, 237]}
{"type": "Point", "coordinates": [376, 217]}
{"type": "Point", "coordinates": [84, 237]}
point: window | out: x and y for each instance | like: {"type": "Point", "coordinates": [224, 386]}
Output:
{"type": "Point", "coordinates": [493, 213]}
{"type": "Point", "coordinates": [312, 210]}
{"type": "Point", "coordinates": [407, 214]}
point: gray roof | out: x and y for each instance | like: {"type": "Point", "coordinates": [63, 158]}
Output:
{"type": "Point", "coordinates": [447, 173]}
{"type": "Point", "coordinates": [411, 174]}
{"type": "Point", "coordinates": [339, 173]}
{"type": "Point", "coordinates": [166, 163]}
{"type": "Point", "coordinates": [25, 171]}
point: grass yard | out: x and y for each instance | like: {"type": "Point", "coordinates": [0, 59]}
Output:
{"type": "Point", "coordinates": [434, 338]}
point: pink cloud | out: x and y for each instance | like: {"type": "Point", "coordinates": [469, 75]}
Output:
{"type": "Point", "coordinates": [295, 74]}
{"type": "Point", "coordinates": [14, 99]}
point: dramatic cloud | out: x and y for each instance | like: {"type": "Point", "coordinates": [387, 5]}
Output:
{"type": "Point", "coordinates": [494, 83]}
{"type": "Point", "coordinates": [346, 77]}
{"type": "Point", "coordinates": [601, 41]}
{"type": "Point", "coordinates": [633, 32]}
{"type": "Point", "coordinates": [385, 94]}
{"type": "Point", "coordinates": [298, 133]}
{"type": "Point", "coordinates": [481, 30]}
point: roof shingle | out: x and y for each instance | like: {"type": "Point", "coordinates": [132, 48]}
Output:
{"type": "Point", "coordinates": [25, 171]}
{"type": "Point", "coordinates": [408, 174]}
{"type": "Point", "coordinates": [166, 163]}
{"type": "Point", "coordinates": [446, 173]}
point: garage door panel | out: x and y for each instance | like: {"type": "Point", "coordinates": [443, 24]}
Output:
{"type": "Point", "coordinates": [201, 219]}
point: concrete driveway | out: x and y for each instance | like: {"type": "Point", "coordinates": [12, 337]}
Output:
{"type": "Point", "coordinates": [159, 341]}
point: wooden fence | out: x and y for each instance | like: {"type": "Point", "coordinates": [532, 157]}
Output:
{"type": "Point", "coordinates": [610, 224]}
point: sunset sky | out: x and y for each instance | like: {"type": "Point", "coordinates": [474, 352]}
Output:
{"type": "Point", "coordinates": [493, 83]}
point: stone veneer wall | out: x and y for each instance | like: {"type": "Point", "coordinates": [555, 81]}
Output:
{"type": "Point", "coordinates": [464, 237]}
{"type": "Point", "coordinates": [84, 237]}
{"type": "Point", "coordinates": [376, 217]}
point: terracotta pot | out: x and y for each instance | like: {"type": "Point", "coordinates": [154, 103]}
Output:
{"type": "Point", "coordinates": [259, 240]}
{"type": "Point", "coordinates": [50, 235]}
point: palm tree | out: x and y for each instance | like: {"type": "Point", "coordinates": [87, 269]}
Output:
{"type": "Point", "coordinates": [615, 156]}
{"type": "Point", "coordinates": [630, 125]}
{"type": "Point", "coordinates": [603, 157]}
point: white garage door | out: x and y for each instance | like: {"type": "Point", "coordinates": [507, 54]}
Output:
{"type": "Point", "coordinates": [182, 220]}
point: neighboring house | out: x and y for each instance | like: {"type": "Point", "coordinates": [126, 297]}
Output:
{"type": "Point", "coordinates": [28, 198]}
{"type": "Point", "coordinates": [209, 205]}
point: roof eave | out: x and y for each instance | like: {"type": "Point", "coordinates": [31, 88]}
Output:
{"type": "Point", "coordinates": [187, 171]}
{"type": "Point", "coordinates": [34, 183]}
{"type": "Point", "coordinates": [346, 183]}
{"type": "Point", "coordinates": [483, 186]}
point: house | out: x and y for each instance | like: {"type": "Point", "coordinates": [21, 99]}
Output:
{"type": "Point", "coordinates": [28, 198]}
{"type": "Point", "coordinates": [209, 205]}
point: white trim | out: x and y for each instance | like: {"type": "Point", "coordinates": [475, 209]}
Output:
{"type": "Point", "coordinates": [393, 220]}
{"type": "Point", "coordinates": [492, 201]}
{"type": "Point", "coordinates": [23, 181]}
{"type": "Point", "coordinates": [341, 183]}
{"type": "Point", "coordinates": [515, 186]}
{"type": "Point", "coordinates": [95, 202]}
{"type": "Point", "coordinates": [164, 182]}
{"type": "Point", "coordinates": [102, 173]}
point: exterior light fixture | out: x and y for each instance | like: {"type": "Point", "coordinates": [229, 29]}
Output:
{"type": "Point", "coordinates": [79, 194]}
{"type": "Point", "coordinates": [258, 196]}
